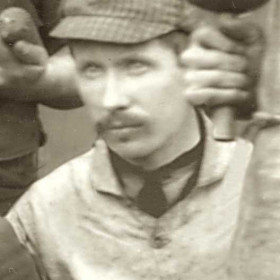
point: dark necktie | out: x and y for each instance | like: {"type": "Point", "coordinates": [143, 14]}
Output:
{"type": "Point", "coordinates": [151, 198]}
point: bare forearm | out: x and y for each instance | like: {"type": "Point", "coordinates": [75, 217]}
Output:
{"type": "Point", "coordinates": [58, 88]}
{"type": "Point", "coordinates": [40, 79]}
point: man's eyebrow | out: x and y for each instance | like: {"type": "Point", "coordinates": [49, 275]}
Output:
{"type": "Point", "coordinates": [132, 56]}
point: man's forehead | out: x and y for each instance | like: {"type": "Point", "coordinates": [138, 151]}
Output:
{"type": "Point", "coordinates": [95, 48]}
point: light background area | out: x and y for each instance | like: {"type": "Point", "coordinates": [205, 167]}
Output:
{"type": "Point", "coordinates": [69, 134]}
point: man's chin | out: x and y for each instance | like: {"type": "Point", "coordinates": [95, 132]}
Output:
{"type": "Point", "coordinates": [130, 150]}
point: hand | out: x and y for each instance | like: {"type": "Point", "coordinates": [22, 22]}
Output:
{"type": "Point", "coordinates": [26, 71]}
{"type": "Point", "coordinates": [223, 65]}
{"type": "Point", "coordinates": [22, 65]}
{"type": "Point", "coordinates": [22, 55]}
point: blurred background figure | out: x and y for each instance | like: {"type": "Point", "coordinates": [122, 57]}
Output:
{"type": "Point", "coordinates": [32, 73]}
{"type": "Point", "coordinates": [15, 262]}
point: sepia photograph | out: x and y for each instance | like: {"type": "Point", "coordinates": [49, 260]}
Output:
{"type": "Point", "coordinates": [139, 139]}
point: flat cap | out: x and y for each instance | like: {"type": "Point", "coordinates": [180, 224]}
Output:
{"type": "Point", "coordinates": [121, 21]}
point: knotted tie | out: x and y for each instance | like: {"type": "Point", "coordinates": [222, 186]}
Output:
{"type": "Point", "coordinates": [151, 198]}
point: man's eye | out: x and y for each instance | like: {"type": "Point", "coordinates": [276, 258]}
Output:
{"type": "Point", "coordinates": [92, 71]}
{"type": "Point", "coordinates": [137, 68]}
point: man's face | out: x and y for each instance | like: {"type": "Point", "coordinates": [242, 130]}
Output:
{"type": "Point", "coordinates": [135, 96]}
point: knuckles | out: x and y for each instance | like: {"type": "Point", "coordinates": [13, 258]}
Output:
{"type": "Point", "coordinates": [215, 75]}
{"type": "Point", "coordinates": [213, 97]}
{"type": "Point", "coordinates": [196, 57]}
{"type": "Point", "coordinates": [202, 32]}
{"type": "Point", "coordinates": [189, 57]}
{"type": "Point", "coordinates": [213, 78]}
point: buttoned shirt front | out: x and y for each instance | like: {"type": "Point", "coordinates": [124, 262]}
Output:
{"type": "Point", "coordinates": [78, 223]}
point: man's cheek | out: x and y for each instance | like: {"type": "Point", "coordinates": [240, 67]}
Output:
{"type": "Point", "coordinates": [87, 96]}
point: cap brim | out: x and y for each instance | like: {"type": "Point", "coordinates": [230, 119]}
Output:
{"type": "Point", "coordinates": [107, 29]}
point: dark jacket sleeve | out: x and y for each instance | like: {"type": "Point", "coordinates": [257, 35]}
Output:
{"type": "Point", "coordinates": [50, 14]}
{"type": "Point", "coordinates": [15, 262]}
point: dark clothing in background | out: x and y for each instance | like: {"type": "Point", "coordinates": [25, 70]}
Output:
{"type": "Point", "coordinates": [20, 137]}
{"type": "Point", "coordinates": [21, 132]}
{"type": "Point", "coordinates": [15, 262]}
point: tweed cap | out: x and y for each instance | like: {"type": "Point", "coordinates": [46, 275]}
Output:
{"type": "Point", "coordinates": [120, 21]}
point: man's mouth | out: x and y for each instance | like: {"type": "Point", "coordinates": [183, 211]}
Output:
{"type": "Point", "coordinates": [120, 123]}
{"type": "Point", "coordinates": [122, 126]}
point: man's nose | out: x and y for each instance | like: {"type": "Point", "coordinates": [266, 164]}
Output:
{"type": "Point", "coordinates": [115, 97]}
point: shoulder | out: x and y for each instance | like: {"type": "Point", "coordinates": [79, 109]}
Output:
{"type": "Point", "coordinates": [68, 180]}
{"type": "Point", "coordinates": [65, 176]}
{"type": "Point", "coordinates": [220, 156]}
{"type": "Point", "coordinates": [60, 192]}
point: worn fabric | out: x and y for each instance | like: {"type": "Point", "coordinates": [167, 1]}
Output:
{"type": "Point", "coordinates": [15, 262]}
{"type": "Point", "coordinates": [21, 135]}
{"type": "Point", "coordinates": [122, 21]}
{"type": "Point", "coordinates": [21, 132]}
{"type": "Point", "coordinates": [20, 129]}
{"type": "Point", "coordinates": [16, 175]}
{"type": "Point", "coordinates": [79, 223]}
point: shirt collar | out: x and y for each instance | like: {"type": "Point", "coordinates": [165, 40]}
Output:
{"type": "Point", "coordinates": [103, 175]}
{"type": "Point", "coordinates": [216, 158]}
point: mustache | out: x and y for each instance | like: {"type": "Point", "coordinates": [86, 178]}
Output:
{"type": "Point", "coordinates": [116, 120]}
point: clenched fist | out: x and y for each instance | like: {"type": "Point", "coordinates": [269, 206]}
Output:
{"type": "Point", "coordinates": [223, 65]}
{"type": "Point", "coordinates": [22, 55]}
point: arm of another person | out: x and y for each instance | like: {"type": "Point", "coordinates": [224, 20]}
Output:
{"type": "Point", "coordinates": [28, 74]}
{"type": "Point", "coordinates": [255, 246]}
{"type": "Point", "coordinates": [222, 66]}
{"type": "Point", "coordinates": [15, 261]}
{"type": "Point", "coordinates": [57, 87]}
{"type": "Point", "coordinates": [59, 84]}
